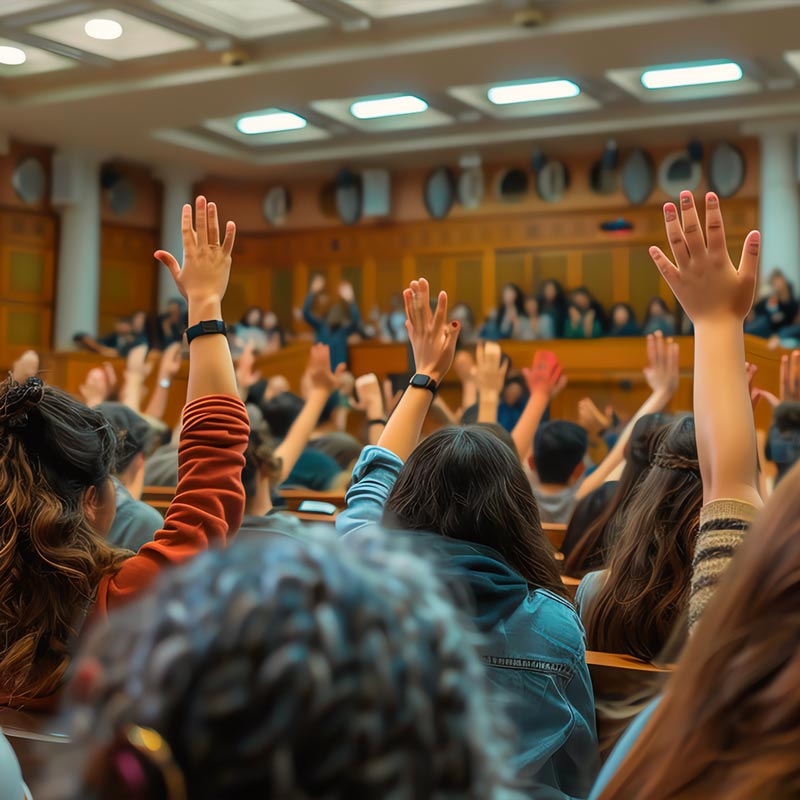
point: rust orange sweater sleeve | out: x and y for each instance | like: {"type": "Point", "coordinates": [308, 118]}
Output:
{"type": "Point", "coordinates": [209, 499]}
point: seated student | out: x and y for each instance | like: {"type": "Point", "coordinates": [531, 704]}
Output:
{"type": "Point", "coordinates": [276, 338]}
{"type": "Point", "coordinates": [533, 325]}
{"type": "Point", "coordinates": [249, 330]}
{"type": "Point", "coordinates": [623, 321]}
{"type": "Point", "coordinates": [533, 640]}
{"type": "Point", "coordinates": [341, 321]}
{"type": "Point", "coordinates": [172, 323]}
{"type": "Point", "coordinates": [776, 310]}
{"type": "Point", "coordinates": [287, 669]}
{"type": "Point", "coordinates": [727, 722]}
{"type": "Point", "coordinates": [57, 568]}
{"type": "Point", "coordinates": [552, 303]}
{"type": "Point", "coordinates": [392, 324]}
{"type": "Point", "coordinates": [584, 318]}
{"type": "Point", "coordinates": [140, 327]}
{"type": "Point", "coordinates": [502, 322]}
{"type": "Point", "coordinates": [633, 604]}
{"type": "Point", "coordinates": [135, 523]}
{"type": "Point", "coordinates": [783, 440]}
{"type": "Point", "coordinates": [559, 448]}
{"type": "Point", "coordinates": [116, 344]}
{"type": "Point", "coordinates": [595, 522]}
{"type": "Point", "coordinates": [659, 318]}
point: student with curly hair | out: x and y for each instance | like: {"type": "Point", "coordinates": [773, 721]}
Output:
{"type": "Point", "coordinates": [56, 456]}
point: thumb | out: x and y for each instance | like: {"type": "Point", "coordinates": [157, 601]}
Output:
{"type": "Point", "coordinates": [169, 261]}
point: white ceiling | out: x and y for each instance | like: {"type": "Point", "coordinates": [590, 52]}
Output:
{"type": "Point", "coordinates": [168, 92]}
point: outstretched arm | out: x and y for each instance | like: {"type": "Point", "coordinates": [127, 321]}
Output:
{"type": "Point", "coordinates": [662, 376]}
{"type": "Point", "coordinates": [322, 384]}
{"type": "Point", "coordinates": [489, 375]}
{"type": "Point", "coordinates": [545, 379]}
{"type": "Point", "coordinates": [433, 340]}
{"type": "Point", "coordinates": [717, 297]}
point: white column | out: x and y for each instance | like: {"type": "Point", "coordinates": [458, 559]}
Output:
{"type": "Point", "coordinates": [178, 190]}
{"type": "Point", "coordinates": [780, 206]}
{"type": "Point", "coordinates": [78, 295]}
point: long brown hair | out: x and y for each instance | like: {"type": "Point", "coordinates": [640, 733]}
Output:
{"type": "Point", "coordinates": [52, 449]}
{"type": "Point", "coordinates": [590, 551]}
{"type": "Point", "coordinates": [465, 483]}
{"type": "Point", "coordinates": [729, 723]}
{"type": "Point", "coordinates": [649, 568]}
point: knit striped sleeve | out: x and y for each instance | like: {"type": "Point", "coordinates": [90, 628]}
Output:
{"type": "Point", "coordinates": [723, 525]}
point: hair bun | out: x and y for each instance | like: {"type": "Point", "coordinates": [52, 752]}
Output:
{"type": "Point", "coordinates": [19, 400]}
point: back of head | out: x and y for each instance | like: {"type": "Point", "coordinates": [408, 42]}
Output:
{"type": "Point", "coordinates": [559, 448]}
{"type": "Point", "coordinates": [649, 567]}
{"type": "Point", "coordinates": [591, 550]}
{"type": "Point", "coordinates": [467, 484]}
{"type": "Point", "coordinates": [280, 412]}
{"type": "Point", "coordinates": [133, 433]}
{"type": "Point", "coordinates": [729, 723]}
{"type": "Point", "coordinates": [259, 458]}
{"type": "Point", "coordinates": [783, 440]}
{"type": "Point", "coordinates": [52, 451]}
{"type": "Point", "coordinates": [283, 668]}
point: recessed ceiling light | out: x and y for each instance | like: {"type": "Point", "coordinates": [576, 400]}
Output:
{"type": "Point", "coordinates": [395, 106]}
{"type": "Point", "coordinates": [691, 75]}
{"type": "Point", "coordinates": [106, 29]}
{"type": "Point", "coordinates": [272, 121]}
{"type": "Point", "coordinates": [531, 92]}
{"type": "Point", "coordinates": [12, 56]}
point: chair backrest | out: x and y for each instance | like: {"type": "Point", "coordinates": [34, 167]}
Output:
{"type": "Point", "coordinates": [159, 497]}
{"type": "Point", "coordinates": [570, 584]}
{"type": "Point", "coordinates": [33, 725]}
{"type": "Point", "coordinates": [294, 497]}
{"type": "Point", "coordinates": [555, 533]}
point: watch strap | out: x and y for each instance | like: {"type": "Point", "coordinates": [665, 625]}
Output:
{"type": "Point", "coordinates": [204, 328]}
{"type": "Point", "coordinates": [420, 381]}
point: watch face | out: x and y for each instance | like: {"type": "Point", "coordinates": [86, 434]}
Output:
{"type": "Point", "coordinates": [422, 381]}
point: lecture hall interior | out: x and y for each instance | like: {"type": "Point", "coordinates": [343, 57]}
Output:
{"type": "Point", "coordinates": [572, 417]}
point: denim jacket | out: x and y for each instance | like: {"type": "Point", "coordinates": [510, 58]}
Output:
{"type": "Point", "coordinates": [533, 646]}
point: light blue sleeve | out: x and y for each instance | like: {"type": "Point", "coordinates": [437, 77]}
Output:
{"type": "Point", "coordinates": [587, 590]}
{"type": "Point", "coordinates": [623, 747]}
{"type": "Point", "coordinates": [11, 786]}
{"type": "Point", "coordinates": [547, 329]}
{"type": "Point", "coordinates": [374, 476]}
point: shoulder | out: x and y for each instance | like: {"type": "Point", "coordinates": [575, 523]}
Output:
{"type": "Point", "coordinates": [590, 585]}
{"type": "Point", "coordinates": [557, 621]}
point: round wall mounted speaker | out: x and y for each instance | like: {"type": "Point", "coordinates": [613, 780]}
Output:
{"type": "Point", "coordinates": [638, 177]}
{"type": "Point", "coordinates": [277, 204]}
{"type": "Point", "coordinates": [439, 194]}
{"type": "Point", "coordinates": [679, 172]}
{"type": "Point", "coordinates": [29, 180]}
{"type": "Point", "coordinates": [726, 169]}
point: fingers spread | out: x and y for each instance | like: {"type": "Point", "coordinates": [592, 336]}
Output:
{"type": "Point", "coordinates": [692, 232]}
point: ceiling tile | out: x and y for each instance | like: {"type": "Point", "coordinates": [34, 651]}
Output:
{"type": "Point", "coordinates": [227, 127]}
{"type": "Point", "coordinates": [246, 19]}
{"type": "Point", "coordinates": [37, 61]}
{"type": "Point", "coordinates": [139, 39]}
{"type": "Point", "coordinates": [10, 7]}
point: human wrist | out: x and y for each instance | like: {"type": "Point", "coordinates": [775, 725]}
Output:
{"type": "Point", "coordinates": [204, 307]}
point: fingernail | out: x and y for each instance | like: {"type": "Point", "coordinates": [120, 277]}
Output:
{"type": "Point", "coordinates": [670, 212]}
{"type": "Point", "coordinates": [686, 198]}
{"type": "Point", "coordinates": [756, 237]}
{"type": "Point", "coordinates": [712, 200]}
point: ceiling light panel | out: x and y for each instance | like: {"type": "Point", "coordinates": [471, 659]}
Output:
{"type": "Point", "coordinates": [391, 106]}
{"type": "Point", "coordinates": [36, 61]}
{"type": "Point", "coordinates": [247, 19]}
{"type": "Point", "coordinates": [701, 80]}
{"type": "Point", "coordinates": [10, 7]}
{"type": "Point", "coordinates": [139, 38]}
{"type": "Point", "coordinates": [383, 113]}
{"type": "Point", "coordinates": [398, 8]}
{"type": "Point", "coordinates": [272, 126]}
{"type": "Point", "coordinates": [530, 98]}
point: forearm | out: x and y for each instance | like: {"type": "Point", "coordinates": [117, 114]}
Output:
{"type": "Point", "coordinates": [724, 426]}
{"type": "Point", "coordinates": [487, 406]}
{"type": "Point", "coordinates": [376, 416]}
{"type": "Point", "coordinates": [525, 429]}
{"type": "Point", "coordinates": [469, 394]}
{"type": "Point", "coordinates": [290, 449]}
{"type": "Point", "coordinates": [404, 427]}
{"type": "Point", "coordinates": [157, 405]}
{"type": "Point", "coordinates": [132, 391]}
{"type": "Point", "coordinates": [653, 405]}
{"type": "Point", "coordinates": [210, 363]}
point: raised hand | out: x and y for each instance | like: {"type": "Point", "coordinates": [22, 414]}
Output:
{"type": "Point", "coordinates": [370, 396]}
{"type": "Point", "coordinates": [790, 378]}
{"type": "Point", "coordinates": [545, 375]}
{"type": "Point", "coordinates": [661, 372]}
{"type": "Point", "coordinates": [489, 372]}
{"type": "Point", "coordinates": [346, 292]}
{"type": "Point", "coordinates": [246, 373]}
{"type": "Point", "coordinates": [317, 284]}
{"type": "Point", "coordinates": [591, 418]}
{"type": "Point", "coordinates": [171, 360]}
{"type": "Point", "coordinates": [206, 263]}
{"type": "Point", "coordinates": [703, 277]}
{"type": "Point", "coordinates": [433, 339]}
{"type": "Point", "coordinates": [96, 387]}
{"type": "Point", "coordinates": [26, 366]}
{"type": "Point", "coordinates": [318, 370]}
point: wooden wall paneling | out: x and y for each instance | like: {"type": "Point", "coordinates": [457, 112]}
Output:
{"type": "Point", "coordinates": [554, 266]}
{"type": "Point", "coordinates": [27, 272]}
{"type": "Point", "coordinates": [354, 274]}
{"type": "Point", "coordinates": [300, 280]}
{"type": "Point", "coordinates": [248, 286]}
{"type": "Point", "coordinates": [509, 268]}
{"type": "Point", "coordinates": [390, 279]}
{"type": "Point", "coordinates": [597, 275]}
{"type": "Point", "coordinates": [281, 294]}
{"type": "Point", "coordinates": [620, 275]}
{"type": "Point", "coordinates": [128, 277]}
{"type": "Point", "coordinates": [24, 326]}
{"type": "Point", "coordinates": [431, 266]}
{"type": "Point", "coordinates": [410, 271]}
{"type": "Point", "coordinates": [488, 285]}
{"type": "Point", "coordinates": [645, 282]}
{"type": "Point", "coordinates": [369, 285]}
{"type": "Point", "coordinates": [467, 286]}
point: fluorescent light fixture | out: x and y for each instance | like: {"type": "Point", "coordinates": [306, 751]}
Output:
{"type": "Point", "coordinates": [106, 29]}
{"type": "Point", "coordinates": [691, 75]}
{"type": "Point", "coordinates": [272, 121]}
{"type": "Point", "coordinates": [395, 106]}
{"type": "Point", "coordinates": [12, 56]}
{"type": "Point", "coordinates": [532, 91]}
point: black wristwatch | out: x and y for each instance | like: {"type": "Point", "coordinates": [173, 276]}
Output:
{"type": "Point", "coordinates": [420, 381]}
{"type": "Point", "coordinates": [207, 326]}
